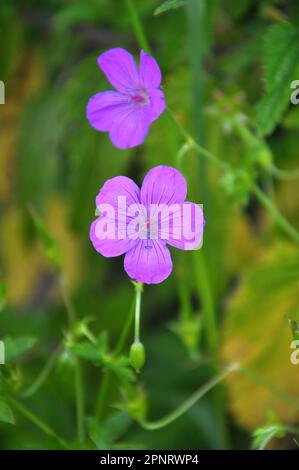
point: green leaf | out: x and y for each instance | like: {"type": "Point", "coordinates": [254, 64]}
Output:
{"type": "Point", "coordinates": [6, 415]}
{"type": "Point", "coordinates": [169, 5]}
{"type": "Point", "coordinates": [88, 351]}
{"type": "Point", "coordinates": [14, 347]}
{"type": "Point", "coordinates": [120, 367]}
{"type": "Point", "coordinates": [265, 434]}
{"type": "Point", "coordinates": [281, 56]}
{"type": "Point", "coordinates": [49, 243]}
{"type": "Point", "coordinates": [256, 332]}
{"type": "Point", "coordinates": [96, 353]}
{"type": "Point", "coordinates": [2, 296]}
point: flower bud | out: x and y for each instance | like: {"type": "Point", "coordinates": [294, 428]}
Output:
{"type": "Point", "coordinates": [137, 356]}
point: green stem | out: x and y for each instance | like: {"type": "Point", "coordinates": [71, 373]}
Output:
{"type": "Point", "coordinates": [79, 400]}
{"type": "Point", "coordinates": [104, 387]}
{"type": "Point", "coordinates": [276, 215]}
{"type": "Point", "coordinates": [79, 388]}
{"type": "Point", "coordinates": [103, 394]}
{"type": "Point", "coordinates": [245, 133]}
{"type": "Point", "coordinates": [264, 200]}
{"type": "Point", "coordinates": [44, 374]}
{"type": "Point", "coordinates": [186, 405]}
{"type": "Point", "coordinates": [138, 289]}
{"type": "Point", "coordinates": [125, 332]}
{"type": "Point", "coordinates": [67, 300]}
{"type": "Point", "coordinates": [206, 295]}
{"type": "Point", "coordinates": [196, 17]}
{"type": "Point", "coordinates": [137, 26]}
{"type": "Point", "coordinates": [285, 175]}
{"type": "Point", "coordinates": [38, 422]}
{"type": "Point", "coordinates": [197, 147]}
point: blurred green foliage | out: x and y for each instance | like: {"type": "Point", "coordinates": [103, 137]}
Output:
{"type": "Point", "coordinates": [52, 165]}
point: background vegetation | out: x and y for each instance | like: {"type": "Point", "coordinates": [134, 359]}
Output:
{"type": "Point", "coordinates": [227, 68]}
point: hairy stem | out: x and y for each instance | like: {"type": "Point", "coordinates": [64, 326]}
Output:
{"type": "Point", "coordinates": [138, 289]}
{"type": "Point", "coordinates": [262, 197]}
{"type": "Point", "coordinates": [38, 422]}
{"type": "Point", "coordinates": [276, 215]}
{"type": "Point", "coordinates": [186, 405]}
{"type": "Point", "coordinates": [44, 374]}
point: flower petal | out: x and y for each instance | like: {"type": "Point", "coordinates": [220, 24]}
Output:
{"type": "Point", "coordinates": [163, 185]}
{"type": "Point", "coordinates": [149, 70]}
{"type": "Point", "coordinates": [131, 128]}
{"type": "Point", "coordinates": [108, 247]}
{"type": "Point", "coordinates": [116, 188]}
{"type": "Point", "coordinates": [183, 227]}
{"type": "Point", "coordinates": [108, 232]}
{"type": "Point", "coordinates": [103, 108]}
{"type": "Point", "coordinates": [157, 103]}
{"type": "Point", "coordinates": [120, 69]}
{"type": "Point", "coordinates": [149, 262]}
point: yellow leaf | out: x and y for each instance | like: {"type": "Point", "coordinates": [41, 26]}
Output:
{"type": "Point", "coordinates": [256, 332]}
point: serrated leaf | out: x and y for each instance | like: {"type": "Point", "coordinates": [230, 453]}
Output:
{"type": "Point", "coordinates": [6, 414]}
{"type": "Point", "coordinates": [169, 5]}
{"type": "Point", "coordinates": [281, 57]}
{"type": "Point", "coordinates": [14, 347]}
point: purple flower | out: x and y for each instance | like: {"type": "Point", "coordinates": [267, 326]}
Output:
{"type": "Point", "coordinates": [141, 222]}
{"type": "Point", "coordinates": [128, 112]}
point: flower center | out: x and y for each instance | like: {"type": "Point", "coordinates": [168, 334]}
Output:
{"type": "Point", "coordinates": [140, 98]}
{"type": "Point", "coordinates": [148, 231]}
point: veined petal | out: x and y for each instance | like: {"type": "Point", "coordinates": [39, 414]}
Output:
{"type": "Point", "coordinates": [105, 240]}
{"type": "Point", "coordinates": [157, 103]}
{"type": "Point", "coordinates": [163, 185]}
{"type": "Point", "coordinates": [103, 108]}
{"type": "Point", "coordinates": [131, 128]}
{"type": "Point", "coordinates": [120, 69]}
{"type": "Point", "coordinates": [183, 226]}
{"type": "Point", "coordinates": [149, 262]}
{"type": "Point", "coordinates": [149, 71]}
{"type": "Point", "coordinates": [120, 192]}
{"type": "Point", "coordinates": [108, 233]}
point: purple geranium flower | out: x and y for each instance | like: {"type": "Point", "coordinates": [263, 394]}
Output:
{"type": "Point", "coordinates": [141, 222]}
{"type": "Point", "coordinates": [128, 112]}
